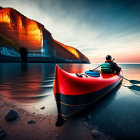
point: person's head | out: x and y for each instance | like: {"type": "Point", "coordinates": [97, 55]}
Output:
{"type": "Point", "coordinates": [108, 57]}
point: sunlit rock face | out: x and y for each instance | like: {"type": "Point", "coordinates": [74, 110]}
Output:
{"type": "Point", "coordinates": [68, 52]}
{"type": "Point", "coordinates": [25, 32]}
{"type": "Point", "coordinates": [34, 37]}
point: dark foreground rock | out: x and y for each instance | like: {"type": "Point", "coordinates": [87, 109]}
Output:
{"type": "Point", "coordinates": [2, 133]}
{"type": "Point", "coordinates": [12, 115]}
{"type": "Point", "coordinates": [42, 108]}
{"type": "Point", "coordinates": [31, 122]}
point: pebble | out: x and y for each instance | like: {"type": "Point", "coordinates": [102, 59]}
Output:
{"type": "Point", "coordinates": [91, 127]}
{"type": "Point", "coordinates": [11, 115]}
{"type": "Point", "coordinates": [96, 133]}
{"type": "Point", "coordinates": [42, 107]}
{"type": "Point", "coordinates": [2, 133]}
{"type": "Point", "coordinates": [89, 117]}
{"type": "Point", "coordinates": [31, 122]}
{"type": "Point", "coordinates": [86, 124]}
{"type": "Point", "coordinates": [1, 106]}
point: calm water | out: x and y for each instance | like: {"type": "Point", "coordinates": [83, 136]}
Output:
{"type": "Point", "coordinates": [30, 86]}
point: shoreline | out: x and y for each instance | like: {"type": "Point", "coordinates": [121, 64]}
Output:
{"type": "Point", "coordinates": [43, 128]}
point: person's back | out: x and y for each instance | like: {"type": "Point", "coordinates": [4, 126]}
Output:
{"type": "Point", "coordinates": [109, 66]}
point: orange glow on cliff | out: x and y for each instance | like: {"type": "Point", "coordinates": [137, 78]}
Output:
{"type": "Point", "coordinates": [4, 18]}
{"type": "Point", "coordinates": [19, 31]}
{"type": "Point", "coordinates": [23, 31]}
{"type": "Point", "coordinates": [70, 49]}
{"type": "Point", "coordinates": [34, 34]}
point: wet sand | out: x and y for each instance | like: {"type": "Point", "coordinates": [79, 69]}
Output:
{"type": "Point", "coordinates": [43, 129]}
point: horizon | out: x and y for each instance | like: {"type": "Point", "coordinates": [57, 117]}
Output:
{"type": "Point", "coordinates": [104, 27]}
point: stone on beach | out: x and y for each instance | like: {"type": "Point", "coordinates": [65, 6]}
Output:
{"type": "Point", "coordinates": [31, 122]}
{"type": "Point", "coordinates": [42, 108]}
{"type": "Point", "coordinates": [100, 135]}
{"type": "Point", "coordinates": [2, 133]}
{"type": "Point", "coordinates": [96, 133]}
{"type": "Point", "coordinates": [89, 117]}
{"type": "Point", "coordinates": [12, 115]}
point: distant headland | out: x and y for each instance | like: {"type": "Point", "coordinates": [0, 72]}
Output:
{"type": "Point", "coordinates": [18, 32]}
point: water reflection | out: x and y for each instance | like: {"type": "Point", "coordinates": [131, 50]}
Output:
{"type": "Point", "coordinates": [134, 81]}
{"type": "Point", "coordinates": [31, 86]}
{"type": "Point", "coordinates": [134, 88]}
{"type": "Point", "coordinates": [29, 83]}
{"type": "Point", "coordinates": [73, 68]}
{"type": "Point", "coordinates": [26, 82]}
{"type": "Point", "coordinates": [133, 85]}
{"type": "Point", "coordinates": [118, 116]}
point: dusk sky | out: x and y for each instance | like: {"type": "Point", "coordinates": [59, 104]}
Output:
{"type": "Point", "coordinates": [95, 27]}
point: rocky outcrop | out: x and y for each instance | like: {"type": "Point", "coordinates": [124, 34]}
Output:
{"type": "Point", "coordinates": [31, 35]}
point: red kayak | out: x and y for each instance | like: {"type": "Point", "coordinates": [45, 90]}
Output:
{"type": "Point", "coordinates": [74, 93]}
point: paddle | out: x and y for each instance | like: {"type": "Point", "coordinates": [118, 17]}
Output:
{"type": "Point", "coordinates": [134, 88]}
{"type": "Point", "coordinates": [99, 66]}
{"type": "Point", "coordinates": [131, 81]}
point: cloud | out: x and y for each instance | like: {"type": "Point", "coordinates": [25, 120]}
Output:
{"type": "Point", "coordinates": [94, 27]}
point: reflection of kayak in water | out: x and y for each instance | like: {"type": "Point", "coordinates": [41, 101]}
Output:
{"type": "Point", "coordinates": [134, 88]}
{"type": "Point", "coordinates": [134, 85]}
{"type": "Point", "coordinates": [74, 93]}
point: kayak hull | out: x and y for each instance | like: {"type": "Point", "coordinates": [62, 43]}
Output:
{"type": "Point", "coordinates": [71, 102]}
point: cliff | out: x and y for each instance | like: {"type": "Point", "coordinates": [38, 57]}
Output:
{"type": "Point", "coordinates": [35, 38]}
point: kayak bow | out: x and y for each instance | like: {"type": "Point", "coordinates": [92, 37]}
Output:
{"type": "Point", "coordinates": [73, 93]}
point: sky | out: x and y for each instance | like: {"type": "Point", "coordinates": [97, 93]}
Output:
{"type": "Point", "coordinates": [95, 27]}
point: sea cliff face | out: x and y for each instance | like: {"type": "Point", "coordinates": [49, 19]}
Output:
{"type": "Point", "coordinates": [29, 34]}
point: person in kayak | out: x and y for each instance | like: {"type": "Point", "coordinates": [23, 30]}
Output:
{"type": "Point", "coordinates": [109, 66]}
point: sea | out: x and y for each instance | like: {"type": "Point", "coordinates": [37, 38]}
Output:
{"type": "Point", "coordinates": [30, 86]}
